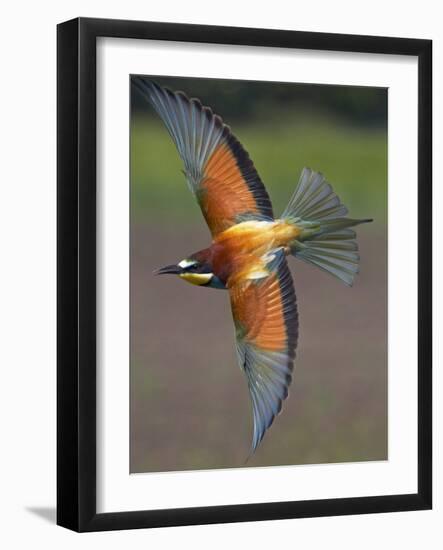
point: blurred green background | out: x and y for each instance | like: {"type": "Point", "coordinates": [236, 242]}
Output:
{"type": "Point", "coordinates": [189, 401]}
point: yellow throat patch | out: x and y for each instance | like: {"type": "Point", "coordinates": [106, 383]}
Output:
{"type": "Point", "coordinates": [196, 278]}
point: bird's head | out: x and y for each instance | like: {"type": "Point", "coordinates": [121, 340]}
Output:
{"type": "Point", "coordinates": [194, 271]}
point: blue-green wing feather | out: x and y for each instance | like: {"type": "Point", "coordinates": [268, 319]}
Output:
{"type": "Point", "coordinates": [269, 372]}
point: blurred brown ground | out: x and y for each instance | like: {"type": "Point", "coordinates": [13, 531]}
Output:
{"type": "Point", "coordinates": [190, 406]}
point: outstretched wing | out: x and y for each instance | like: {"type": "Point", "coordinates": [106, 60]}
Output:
{"type": "Point", "coordinates": [217, 168]}
{"type": "Point", "coordinates": [266, 322]}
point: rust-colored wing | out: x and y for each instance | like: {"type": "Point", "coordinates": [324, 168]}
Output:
{"type": "Point", "coordinates": [266, 322]}
{"type": "Point", "coordinates": [217, 168]}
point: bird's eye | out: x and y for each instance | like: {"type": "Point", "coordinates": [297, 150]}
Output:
{"type": "Point", "coordinates": [201, 268]}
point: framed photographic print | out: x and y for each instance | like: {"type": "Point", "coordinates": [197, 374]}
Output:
{"type": "Point", "coordinates": [287, 177]}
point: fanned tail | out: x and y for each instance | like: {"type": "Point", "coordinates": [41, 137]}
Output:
{"type": "Point", "coordinates": [326, 239]}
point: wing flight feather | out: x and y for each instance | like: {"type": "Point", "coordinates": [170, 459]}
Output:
{"type": "Point", "coordinates": [218, 169]}
{"type": "Point", "coordinates": [266, 320]}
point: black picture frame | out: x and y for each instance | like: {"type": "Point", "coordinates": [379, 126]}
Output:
{"type": "Point", "coordinates": [76, 280]}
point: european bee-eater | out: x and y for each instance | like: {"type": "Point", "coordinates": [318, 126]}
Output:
{"type": "Point", "coordinates": [247, 255]}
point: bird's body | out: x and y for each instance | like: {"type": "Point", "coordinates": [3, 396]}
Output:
{"type": "Point", "coordinates": [247, 255]}
{"type": "Point", "coordinates": [241, 250]}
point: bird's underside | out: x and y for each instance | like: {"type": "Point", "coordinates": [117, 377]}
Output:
{"type": "Point", "coordinates": [243, 251]}
{"type": "Point", "coordinates": [249, 247]}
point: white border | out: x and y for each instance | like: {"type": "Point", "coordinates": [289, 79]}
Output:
{"type": "Point", "coordinates": [116, 489]}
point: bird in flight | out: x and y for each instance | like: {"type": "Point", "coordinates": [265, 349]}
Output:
{"type": "Point", "coordinates": [247, 255]}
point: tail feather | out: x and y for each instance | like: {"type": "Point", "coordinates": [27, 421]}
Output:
{"type": "Point", "coordinates": [343, 264]}
{"type": "Point", "coordinates": [314, 199]}
{"type": "Point", "coordinates": [325, 239]}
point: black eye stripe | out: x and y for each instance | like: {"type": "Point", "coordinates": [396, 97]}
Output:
{"type": "Point", "coordinates": [198, 268]}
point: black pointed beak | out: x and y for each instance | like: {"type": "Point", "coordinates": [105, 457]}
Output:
{"type": "Point", "coordinates": [169, 269]}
